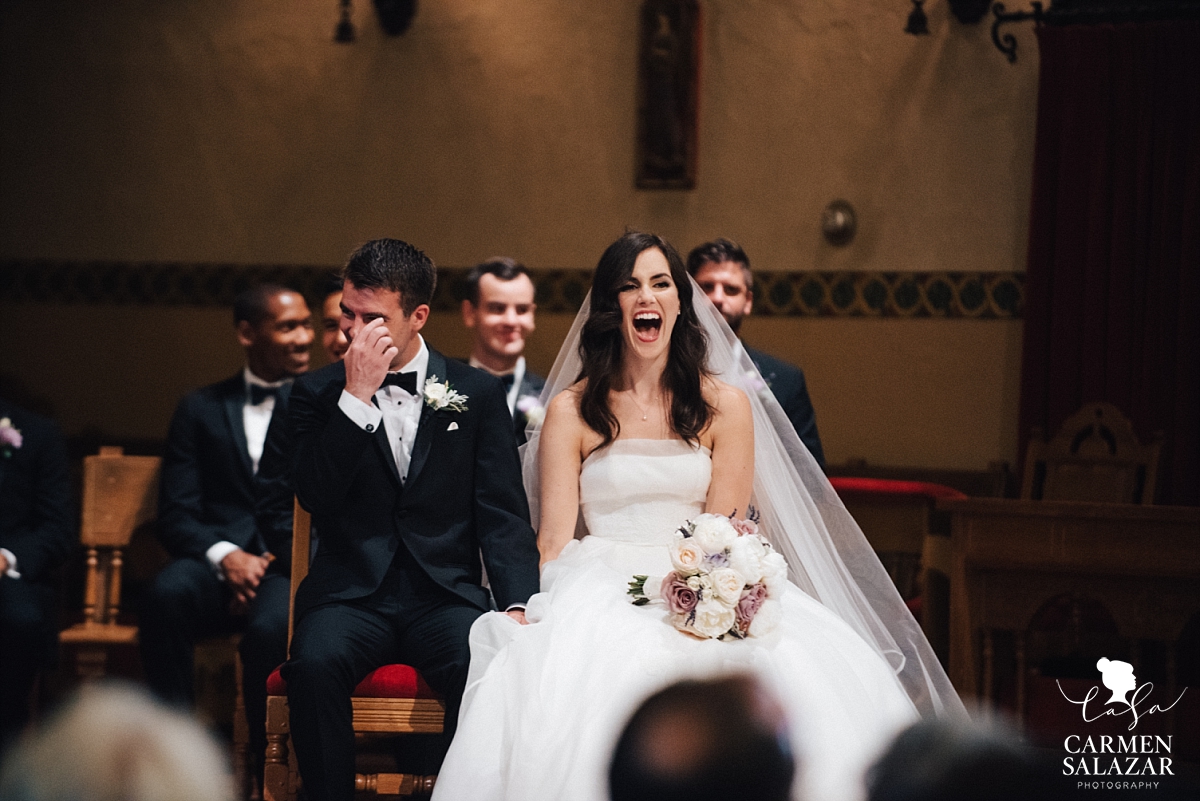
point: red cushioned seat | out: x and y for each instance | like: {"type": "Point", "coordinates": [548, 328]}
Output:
{"type": "Point", "coordinates": [389, 681]}
{"type": "Point", "coordinates": [884, 486]}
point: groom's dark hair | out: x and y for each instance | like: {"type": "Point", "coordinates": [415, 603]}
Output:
{"type": "Point", "coordinates": [395, 266]}
{"type": "Point", "coordinates": [699, 740]}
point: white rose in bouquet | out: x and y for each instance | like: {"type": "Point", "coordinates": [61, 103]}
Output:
{"type": "Point", "coordinates": [767, 618]}
{"type": "Point", "coordinates": [713, 533]}
{"type": "Point", "coordinates": [745, 556]}
{"type": "Point", "coordinates": [686, 555]}
{"type": "Point", "coordinates": [713, 618]}
{"type": "Point", "coordinates": [774, 572]}
{"type": "Point", "coordinates": [728, 585]}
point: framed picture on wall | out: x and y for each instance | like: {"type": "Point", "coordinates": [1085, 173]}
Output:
{"type": "Point", "coordinates": [668, 94]}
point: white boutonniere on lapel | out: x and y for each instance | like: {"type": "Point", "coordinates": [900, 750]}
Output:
{"type": "Point", "coordinates": [533, 411]}
{"type": "Point", "coordinates": [440, 395]}
{"type": "Point", "coordinates": [10, 438]}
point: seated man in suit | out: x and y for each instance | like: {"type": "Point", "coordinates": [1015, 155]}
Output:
{"type": "Point", "coordinates": [37, 533]}
{"type": "Point", "coordinates": [498, 308]}
{"type": "Point", "coordinates": [206, 499]}
{"type": "Point", "coordinates": [264, 643]}
{"type": "Point", "coordinates": [722, 270]}
{"type": "Point", "coordinates": [408, 463]}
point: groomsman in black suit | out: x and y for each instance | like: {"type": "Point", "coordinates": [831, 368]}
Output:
{"type": "Point", "coordinates": [408, 462]}
{"type": "Point", "coordinates": [37, 533]}
{"type": "Point", "coordinates": [722, 270]}
{"type": "Point", "coordinates": [498, 307]}
{"type": "Point", "coordinates": [206, 501]}
{"type": "Point", "coordinates": [264, 643]}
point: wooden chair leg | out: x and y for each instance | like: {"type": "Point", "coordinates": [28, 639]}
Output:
{"type": "Point", "coordinates": [279, 765]}
{"type": "Point", "coordinates": [244, 768]}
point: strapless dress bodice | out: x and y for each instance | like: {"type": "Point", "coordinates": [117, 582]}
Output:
{"type": "Point", "coordinates": [642, 490]}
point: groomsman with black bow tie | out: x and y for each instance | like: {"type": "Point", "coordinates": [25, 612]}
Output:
{"type": "Point", "coordinates": [408, 463]}
{"type": "Point", "coordinates": [206, 499]}
{"type": "Point", "coordinates": [498, 308]}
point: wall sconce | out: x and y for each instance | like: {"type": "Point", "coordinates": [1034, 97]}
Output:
{"type": "Point", "coordinates": [395, 17]}
{"type": "Point", "coordinates": [966, 11]}
{"type": "Point", "coordinates": [839, 223]}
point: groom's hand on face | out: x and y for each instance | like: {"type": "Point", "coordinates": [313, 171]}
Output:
{"type": "Point", "coordinates": [368, 358]}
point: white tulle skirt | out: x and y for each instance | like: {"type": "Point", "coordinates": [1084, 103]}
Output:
{"type": "Point", "coordinates": [545, 702]}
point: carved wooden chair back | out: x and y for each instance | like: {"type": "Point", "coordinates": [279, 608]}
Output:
{"type": "Point", "coordinates": [119, 494]}
{"type": "Point", "coordinates": [1095, 457]}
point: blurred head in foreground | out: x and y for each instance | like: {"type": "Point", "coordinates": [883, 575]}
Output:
{"type": "Point", "coordinates": [113, 743]}
{"type": "Point", "coordinates": [699, 740]}
{"type": "Point", "coordinates": [939, 761]}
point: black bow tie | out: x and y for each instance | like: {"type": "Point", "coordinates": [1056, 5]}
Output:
{"type": "Point", "coordinates": [507, 381]}
{"type": "Point", "coordinates": [406, 381]}
{"type": "Point", "coordinates": [258, 393]}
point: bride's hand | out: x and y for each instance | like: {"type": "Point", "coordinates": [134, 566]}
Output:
{"type": "Point", "coordinates": [518, 615]}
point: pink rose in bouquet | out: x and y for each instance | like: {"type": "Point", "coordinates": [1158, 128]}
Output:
{"type": "Point", "coordinates": [751, 601]}
{"type": "Point", "coordinates": [680, 598]}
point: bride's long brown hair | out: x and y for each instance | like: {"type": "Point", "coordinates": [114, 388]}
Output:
{"type": "Point", "coordinates": [601, 345]}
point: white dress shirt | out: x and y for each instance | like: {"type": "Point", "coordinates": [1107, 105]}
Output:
{"type": "Point", "coordinates": [398, 410]}
{"type": "Point", "coordinates": [518, 374]}
{"type": "Point", "coordinates": [255, 422]}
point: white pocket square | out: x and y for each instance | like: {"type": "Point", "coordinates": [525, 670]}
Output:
{"type": "Point", "coordinates": [452, 427]}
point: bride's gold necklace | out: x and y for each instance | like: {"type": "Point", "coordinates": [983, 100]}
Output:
{"type": "Point", "coordinates": [645, 412]}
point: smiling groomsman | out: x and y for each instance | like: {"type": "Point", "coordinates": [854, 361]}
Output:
{"type": "Point", "coordinates": [499, 308]}
{"type": "Point", "coordinates": [722, 269]}
{"type": "Point", "coordinates": [206, 498]}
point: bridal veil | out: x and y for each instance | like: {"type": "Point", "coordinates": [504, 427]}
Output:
{"type": "Point", "coordinates": [828, 556]}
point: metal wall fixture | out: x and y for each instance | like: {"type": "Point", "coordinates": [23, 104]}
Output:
{"type": "Point", "coordinates": [1059, 12]}
{"type": "Point", "coordinates": [839, 222]}
{"type": "Point", "coordinates": [395, 17]}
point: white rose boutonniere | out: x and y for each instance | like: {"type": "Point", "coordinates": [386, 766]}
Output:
{"type": "Point", "coordinates": [534, 412]}
{"type": "Point", "coordinates": [10, 438]}
{"type": "Point", "coordinates": [440, 395]}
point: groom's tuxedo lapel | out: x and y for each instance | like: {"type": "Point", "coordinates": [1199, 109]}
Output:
{"type": "Point", "coordinates": [424, 439]}
{"type": "Point", "coordinates": [234, 403]}
{"type": "Point", "coordinates": [384, 444]}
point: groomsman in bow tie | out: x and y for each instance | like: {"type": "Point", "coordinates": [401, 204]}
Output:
{"type": "Point", "coordinates": [498, 308]}
{"type": "Point", "coordinates": [264, 643]}
{"type": "Point", "coordinates": [206, 499]}
{"type": "Point", "coordinates": [408, 463]}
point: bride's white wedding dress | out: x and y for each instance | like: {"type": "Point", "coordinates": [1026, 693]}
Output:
{"type": "Point", "coordinates": [546, 702]}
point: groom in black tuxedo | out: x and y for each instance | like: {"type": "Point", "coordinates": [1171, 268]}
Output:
{"type": "Point", "coordinates": [408, 463]}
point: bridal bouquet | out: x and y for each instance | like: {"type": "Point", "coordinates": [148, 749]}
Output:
{"type": "Point", "coordinates": [726, 582]}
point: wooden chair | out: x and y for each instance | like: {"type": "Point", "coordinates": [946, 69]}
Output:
{"type": "Point", "coordinates": [393, 699]}
{"type": "Point", "coordinates": [1095, 457]}
{"type": "Point", "coordinates": [119, 494]}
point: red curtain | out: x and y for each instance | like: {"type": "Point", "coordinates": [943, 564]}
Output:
{"type": "Point", "coordinates": [1113, 280]}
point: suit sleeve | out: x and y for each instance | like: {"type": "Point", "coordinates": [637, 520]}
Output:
{"type": "Point", "coordinates": [799, 410]}
{"type": "Point", "coordinates": [507, 540]}
{"type": "Point", "coordinates": [328, 447]}
{"type": "Point", "coordinates": [47, 539]}
{"type": "Point", "coordinates": [273, 492]}
{"type": "Point", "coordinates": [182, 525]}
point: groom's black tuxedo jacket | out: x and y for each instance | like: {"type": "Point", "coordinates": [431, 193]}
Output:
{"type": "Point", "coordinates": [207, 490]}
{"type": "Point", "coordinates": [463, 494]}
{"type": "Point", "coordinates": [787, 383]}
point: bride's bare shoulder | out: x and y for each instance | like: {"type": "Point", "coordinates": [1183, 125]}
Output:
{"type": "Point", "coordinates": [726, 399]}
{"type": "Point", "coordinates": [563, 411]}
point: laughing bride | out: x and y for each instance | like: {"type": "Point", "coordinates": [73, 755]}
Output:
{"type": "Point", "coordinates": [655, 416]}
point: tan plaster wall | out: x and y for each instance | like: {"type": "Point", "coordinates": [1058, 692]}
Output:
{"type": "Point", "coordinates": [219, 130]}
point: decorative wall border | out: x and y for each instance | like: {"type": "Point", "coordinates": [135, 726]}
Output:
{"type": "Point", "coordinates": [792, 294]}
